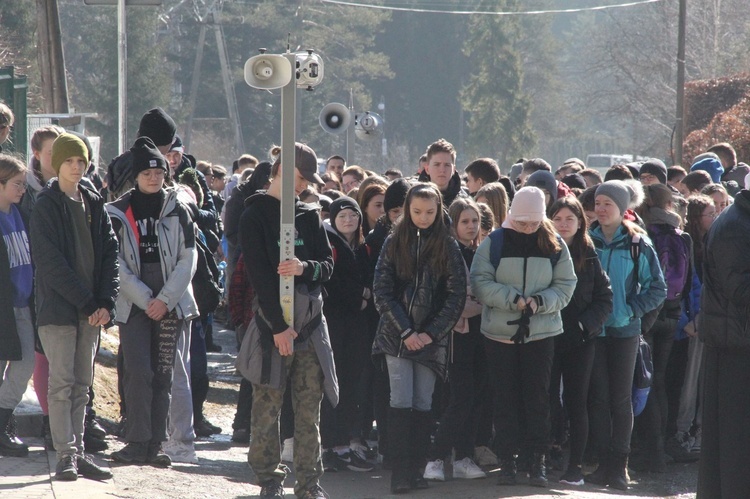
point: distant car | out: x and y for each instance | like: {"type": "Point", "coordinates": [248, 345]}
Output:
{"type": "Point", "coordinates": [602, 162]}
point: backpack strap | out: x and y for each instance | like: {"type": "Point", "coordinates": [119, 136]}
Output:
{"type": "Point", "coordinates": [496, 246]}
{"type": "Point", "coordinates": [556, 256]}
{"type": "Point", "coordinates": [635, 253]}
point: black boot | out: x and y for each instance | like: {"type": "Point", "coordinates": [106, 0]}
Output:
{"type": "Point", "coordinates": [399, 428]}
{"type": "Point", "coordinates": [538, 471]}
{"type": "Point", "coordinates": [617, 471]}
{"type": "Point", "coordinates": [47, 434]}
{"type": "Point", "coordinates": [421, 430]}
{"type": "Point", "coordinates": [508, 470]}
{"type": "Point", "coordinates": [10, 445]}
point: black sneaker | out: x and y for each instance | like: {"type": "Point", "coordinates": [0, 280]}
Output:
{"type": "Point", "coordinates": [120, 430]}
{"type": "Point", "coordinates": [314, 492]}
{"type": "Point", "coordinates": [88, 469]}
{"type": "Point", "coordinates": [574, 476]}
{"type": "Point", "coordinates": [241, 436]}
{"type": "Point", "coordinates": [93, 428]}
{"type": "Point", "coordinates": [134, 452]}
{"type": "Point", "coordinates": [354, 462]}
{"type": "Point", "coordinates": [66, 470]}
{"type": "Point", "coordinates": [94, 444]}
{"type": "Point", "coordinates": [213, 348]}
{"type": "Point", "coordinates": [271, 490]}
{"type": "Point", "coordinates": [330, 461]}
{"type": "Point", "coordinates": [155, 456]}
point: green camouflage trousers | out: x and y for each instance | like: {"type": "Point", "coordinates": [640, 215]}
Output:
{"type": "Point", "coordinates": [264, 455]}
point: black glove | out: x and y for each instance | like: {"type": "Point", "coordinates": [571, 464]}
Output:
{"type": "Point", "coordinates": [523, 326]}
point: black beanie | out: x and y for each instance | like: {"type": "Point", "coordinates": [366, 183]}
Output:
{"type": "Point", "coordinates": [158, 126]}
{"type": "Point", "coordinates": [545, 181]}
{"type": "Point", "coordinates": [395, 194]}
{"type": "Point", "coordinates": [343, 203]}
{"type": "Point", "coordinates": [574, 180]}
{"type": "Point", "coordinates": [146, 155]}
{"type": "Point", "coordinates": [655, 167]}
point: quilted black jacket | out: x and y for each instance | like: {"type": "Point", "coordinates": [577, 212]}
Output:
{"type": "Point", "coordinates": [430, 304]}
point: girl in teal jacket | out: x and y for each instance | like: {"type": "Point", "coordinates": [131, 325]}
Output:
{"type": "Point", "coordinates": [638, 287]}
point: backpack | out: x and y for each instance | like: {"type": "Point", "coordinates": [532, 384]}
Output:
{"type": "Point", "coordinates": [206, 287]}
{"type": "Point", "coordinates": [496, 248]}
{"type": "Point", "coordinates": [643, 377]}
{"type": "Point", "coordinates": [673, 249]}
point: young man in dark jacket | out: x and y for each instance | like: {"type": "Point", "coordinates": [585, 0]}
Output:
{"type": "Point", "coordinates": [76, 284]}
{"type": "Point", "coordinates": [723, 329]}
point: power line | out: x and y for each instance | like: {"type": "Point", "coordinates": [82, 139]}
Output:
{"type": "Point", "coordinates": [490, 13]}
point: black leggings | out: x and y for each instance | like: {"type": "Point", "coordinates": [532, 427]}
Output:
{"type": "Point", "coordinates": [520, 377]}
{"type": "Point", "coordinates": [610, 404]}
{"type": "Point", "coordinates": [574, 365]}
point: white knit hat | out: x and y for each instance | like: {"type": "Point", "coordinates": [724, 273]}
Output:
{"type": "Point", "coordinates": [528, 205]}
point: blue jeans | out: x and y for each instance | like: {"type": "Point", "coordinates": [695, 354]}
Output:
{"type": "Point", "coordinates": [412, 384]}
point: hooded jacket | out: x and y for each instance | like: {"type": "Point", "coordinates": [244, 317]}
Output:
{"type": "Point", "coordinates": [176, 234]}
{"type": "Point", "coordinates": [632, 298]}
{"type": "Point", "coordinates": [523, 271]}
{"type": "Point", "coordinates": [260, 239]}
{"type": "Point", "coordinates": [429, 303]}
{"type": "Point", "coordinates": [60, 294]}
{"type": "Point", "coordinates": [724, 321]}
{"type": "Point", "coordinates": [258, 360]}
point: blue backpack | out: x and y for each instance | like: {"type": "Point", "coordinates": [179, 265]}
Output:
{"type": "Point", "coordinates": [643, 377]}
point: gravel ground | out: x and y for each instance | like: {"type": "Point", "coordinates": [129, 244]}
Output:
{"type": "Point", "coordinates": [223, 471]}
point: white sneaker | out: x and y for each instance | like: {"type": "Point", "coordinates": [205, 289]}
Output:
{"type": "Point", "coordinates": [287, 453]}
{"type": "Point", "coordinates": [434, 471]}
{"type": "Point", "coordinates": [483, 456]}
{"type": "Point", "coordinates": [466, 468]}
{"type": "Point", "coordinates": [180, 452]}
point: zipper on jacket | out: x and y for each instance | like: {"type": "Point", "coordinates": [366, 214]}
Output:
{"type": "Point", "coordinates": [416, 285]}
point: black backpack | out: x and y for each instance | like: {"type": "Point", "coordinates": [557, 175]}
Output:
{"type": "Point", "coordinates": [206, 280]}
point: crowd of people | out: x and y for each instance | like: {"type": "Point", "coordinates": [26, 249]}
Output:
{"type": "Point", "coordinates": [445, 323]}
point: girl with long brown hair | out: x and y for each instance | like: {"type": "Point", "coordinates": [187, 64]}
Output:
{"type": "Point", "coordinates": [583, 320]}
{"type": "Point", "coordinates": [420, 290]}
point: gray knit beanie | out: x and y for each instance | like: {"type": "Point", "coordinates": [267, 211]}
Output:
{"type": "Point", "coordinates": [617, 191]}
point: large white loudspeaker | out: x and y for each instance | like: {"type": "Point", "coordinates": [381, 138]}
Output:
{"type": "Point", "coordinates": [335, 118]}
{"type": "Point", "coordinates": [268, 71]}
{"type": "Point", "coordinates": [368, 126]}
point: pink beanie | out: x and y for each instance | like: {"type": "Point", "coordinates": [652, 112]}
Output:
{"type": "Point", "coordinates": [528, 205]}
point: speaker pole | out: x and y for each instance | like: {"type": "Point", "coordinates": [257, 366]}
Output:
{"type": "Point", "coordinates": [288, 119]}
{"type": "Point", "coordinates": [350, 131]}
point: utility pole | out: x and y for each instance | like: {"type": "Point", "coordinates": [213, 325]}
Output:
{"type": "Point", "coordinates": [50, 57]}
{"type": "Point", "coordinates": [680, 122]}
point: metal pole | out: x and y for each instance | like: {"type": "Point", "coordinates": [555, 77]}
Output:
{"type": "Point", "coordinates": [350, 131]}
{"type": "Point", "coordinates": [195, 83]}
{"type": "Point", "coordinates": [680, 124]}
{"type": "Point", "coordinates": [288, 106]}
{"type": "Point", "coordinates": [122, 73]}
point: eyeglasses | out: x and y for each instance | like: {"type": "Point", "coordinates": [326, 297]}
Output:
{"type": "Point", "coordinates": [21, 186]}
{"type": "Point", "coordinates": [347, 216]}
{"type": "Point", "coordinates": [527, 225]}
{"type": "Point", "coordinates": [713, 214]}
